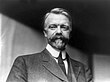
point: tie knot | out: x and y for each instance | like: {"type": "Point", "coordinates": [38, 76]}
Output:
{"type": "Point", "coordinates": [60, 57]}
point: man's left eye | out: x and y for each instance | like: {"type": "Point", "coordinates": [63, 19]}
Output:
{"type": "Point", "coordinates": [65, 27]}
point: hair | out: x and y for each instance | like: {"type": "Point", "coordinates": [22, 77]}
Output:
{"type": "Point", "coordinates": [58, 11]}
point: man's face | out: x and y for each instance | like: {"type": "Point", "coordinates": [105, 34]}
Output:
{"type": "Point", "coordinates": [57, 30]}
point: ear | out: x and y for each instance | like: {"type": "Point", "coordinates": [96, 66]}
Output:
{"type": "Point", "coordinates": [45, 34]}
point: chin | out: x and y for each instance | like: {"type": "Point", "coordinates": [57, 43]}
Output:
{"type": "Point", "coordinates": [58, 44]}
{"type": "Point", "coordinates": [59, 47]}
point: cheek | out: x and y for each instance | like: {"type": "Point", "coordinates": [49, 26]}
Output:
{"type": "Point", "coordinates": [66, 34]}
{"type": "Point", "coordinates": [49, 34]}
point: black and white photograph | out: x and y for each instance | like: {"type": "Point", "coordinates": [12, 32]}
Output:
{"type": "Point", "coordinates": [54, 40]}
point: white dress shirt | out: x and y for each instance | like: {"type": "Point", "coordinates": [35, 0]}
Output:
{"type": "Point", "coordinates": [55, 53]}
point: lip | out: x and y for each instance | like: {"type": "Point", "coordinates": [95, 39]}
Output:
{"type": "Point", "coordinates": [58, 38]}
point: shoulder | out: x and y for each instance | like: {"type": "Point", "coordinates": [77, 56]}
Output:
{"type": "Point", "coordinates": [28, 58]}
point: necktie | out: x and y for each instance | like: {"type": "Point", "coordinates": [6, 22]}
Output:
{"type": "Point", "coordinates": [61, 63]}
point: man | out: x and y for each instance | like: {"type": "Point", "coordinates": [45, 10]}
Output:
{"type": "Point", "coordinates": [53, 64]}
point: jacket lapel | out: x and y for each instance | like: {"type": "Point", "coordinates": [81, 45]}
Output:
{"type": "Point", "coordinates": [75, 69]}
{"type": "Point", "coordinates": [50, 64]}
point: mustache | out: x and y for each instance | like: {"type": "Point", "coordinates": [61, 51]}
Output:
{"type": "Point", "coordinates": [58, 37]}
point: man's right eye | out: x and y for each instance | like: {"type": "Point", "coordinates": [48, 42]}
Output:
{"type": "Point", "coordinates": [52, 27]}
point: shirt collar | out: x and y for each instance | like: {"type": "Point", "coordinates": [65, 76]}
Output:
{"type": "Point", "coordinates": [54, 52]}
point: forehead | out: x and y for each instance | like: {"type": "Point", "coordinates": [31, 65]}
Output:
{"type": "Point", "coordinates": [56, 19]}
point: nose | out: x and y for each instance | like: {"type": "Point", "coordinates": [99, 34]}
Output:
{"type": "Point", "coordinates": [58, 29]}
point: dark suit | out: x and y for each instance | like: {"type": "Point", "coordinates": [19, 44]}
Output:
{"type": "Point", "coordinates": [41, 67]}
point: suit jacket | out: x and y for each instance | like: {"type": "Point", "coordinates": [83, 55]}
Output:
{"type": "Point", "coordinates": [41, 67]}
